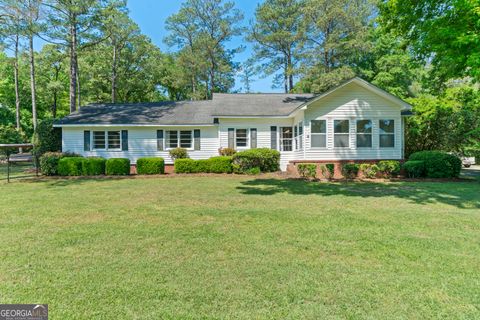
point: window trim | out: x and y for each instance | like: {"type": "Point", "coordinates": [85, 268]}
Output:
{"type": "Point", "coordinates": [247, 137]}
{"type": "Point", "coordinates": [348, 133]}
{"type": "Point", "coordinates": [386, 134]}
{"type": "Point", "coordinates": [298, 137]}
{"type": "Point", "coordinates": [166, 147]}
{"type": "Point", "coordinates": [292, 139]}
{"type": "Point", "coordinates": [362, 133]}
{"type": "Point", "coordinates": [318, 134]}
{"type": "Point", "coordinates": [105, 135]}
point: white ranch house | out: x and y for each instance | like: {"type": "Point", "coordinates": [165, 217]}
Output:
{"type": "Point", "coordinates": [354, 121]}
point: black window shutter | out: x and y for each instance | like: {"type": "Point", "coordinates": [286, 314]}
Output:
{"type": "Point", "coordinates": [253, 138]}
{"type": "Point", "coordinates": [124, 140]}
{"type": "Point", "coordinates": [273, 137]}
{"type": "Point", "coordinates": [231, 138]}
{"type": "Point", "coordinates": [160, 140]}
{"type": "Point", "coordinates": [196, 139]}
{"type": "Point", "coordinates": [86, 140]}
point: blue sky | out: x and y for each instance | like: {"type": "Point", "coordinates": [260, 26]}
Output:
{"type": "Point", "coordinates": [150, 15]}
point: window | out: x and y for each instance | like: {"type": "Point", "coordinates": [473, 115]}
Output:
{"type": "Point", "coordinates": [387, 133]}
{"type": "Point", "coordinates": [186, 139]}
{"type": "Point", "coordinates": [319, 134]}
{"type": "Point", "coordinates": [286, 139]}
{"type": "Point", "coordinates": [241, 138]}
{"type": "Point", "coordinates": [341, 136]}
{"type": "Point", "coordinates": [298, 134]}
{"type": "Point", "coordinates": [364, 133]}
{"type": "Point", "coordinates": [114, 141]}
{"type": "Point", "coordinates": [98, 139]}
{"type": "Point", "coordinates": [175, 139]}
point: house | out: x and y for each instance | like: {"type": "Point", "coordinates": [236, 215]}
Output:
{"type": "Point", "coordinates": [354, 121]}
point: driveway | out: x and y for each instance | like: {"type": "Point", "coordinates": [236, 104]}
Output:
{"type": "Point", "coordinates": [472, 172]}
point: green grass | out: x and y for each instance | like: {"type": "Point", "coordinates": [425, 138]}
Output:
{"type": "Point", "coordinates": [240, 247]}
{"type": "Point", "coordinates": [17, 171]}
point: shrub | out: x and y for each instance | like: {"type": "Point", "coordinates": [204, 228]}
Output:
{"type": "Point", "coordinates": [213, 165]}
{"type": "Point", "coordinates": [227, 151]}
{"type": "Point", "coordinates": [369, 170]}
{"type": "Point", "coordinates": [150, 166]}
{"type": "Point", "coordinates": [47, 138]}
{"type": "Point", "coordinates": [49, 163]}
{"type": "Point", "coordinates": [389, 168]}
{"type": "Point", "coordinates": [307, 170]}
{"type": "Point", "coordinates": [328, 170]}
{"type": "Point", "coordinates": [94, 166]}
{"type": "Point", "coordinates": [438, 164]}
{"type": "Point", "coordinates": [267, 160]}
{"type": "Point", "coordinates": [71, 166]}
{"type": "Point", "coordinates": [117, 167]}
{"type": "Point", "coordinates": [253, 171]}
{"type": "Point", "coordinates": [350, 170]}
{"type": "Point", "coordinates": [414, 168]}
{"type": "Point", "coordinates": [178, 153]}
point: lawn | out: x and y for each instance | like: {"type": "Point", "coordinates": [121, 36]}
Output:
{"type": "Point", "coordinates": [242, 247]}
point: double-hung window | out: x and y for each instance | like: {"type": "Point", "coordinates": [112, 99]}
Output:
{"type": "Point", "coordinates": [318, 135]}
{"type": "Point", "coordinates": [286, 139]}
{"type": "Point", "coordinates": [364, 133]}
{"type": "Point", "coordinates": [175, 139]}
{"type": "Point", "coordinates": [107, 140]}
{"type": "Point", "coordinates": [341, 133]}
{"type": "Point", "coordinates": [387, 133]}
{"type": "Point", "coordinates": [241, 138]}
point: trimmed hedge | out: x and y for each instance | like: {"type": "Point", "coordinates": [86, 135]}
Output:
{"type": "Point", "coordinates": [350, 170]}
{"type": "Point", "coordinates": [220, 164]}
{"type": "Point", "coordinates": [117, 167]}
{"type": "Point", "coordinates": [49, 163]}
{"type": "Point", "coordinates": [71, 166]}
{"type": "Point", "coordinates": [150, 166]}
{"type": "Point", "coordinates": [267, 160]}
{"type": "Point", "coordinates": [94, 166]}
{"type": "Point", "coordinates": [389, 168]}
{"type": "Point", "coordinates": [414, 168]}
{"type": "Point", "coordinates": [307, 170]}
{"type": "Point", "coordinates": [438, 164]}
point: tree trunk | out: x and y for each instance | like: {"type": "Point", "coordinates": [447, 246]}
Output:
{"type": "Point", "coordinates": [17, 94]}
{"type": "Point", "coordinates": [55, 98]}
{"type": "Point", "coordinates": [114, 73]}
{"type": "Point", "coordinates": [79, 103]}
{"type": "Point", "coordinates": [32, 82]}
{"type": "Point", "coordinates": [285, 76]}
{"type": "Point", "coordinates": [73, 66]}
{"type": "Point", "coordinates": [290, 75]}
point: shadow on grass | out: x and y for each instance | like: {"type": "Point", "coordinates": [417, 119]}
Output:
{"type": "Point", "coordinates": [464, 195]}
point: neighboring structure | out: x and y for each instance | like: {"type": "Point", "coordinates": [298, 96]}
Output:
{"type": "Point", "coordinates": [354, 121]}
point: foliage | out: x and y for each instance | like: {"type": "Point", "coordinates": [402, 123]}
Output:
{"type": "Point", "coordinates": [438, 164]}
{"type": "Point", "coordinates": [350, 170]}
{"type": "Point", "coordinates": [9, 135]}
{"type": "Point", "coordinates": [117, 167]}
{"type": "Point", "coordinates": [150, 166]}
{"type": "Point", "coordinates": [47, 138]}
{"type": "Point", "coordinates": [93, 166]}
{"type": "Point", "coordinates": [307, 170]}
{"type": "Point", "coordinates": [369, 170]}
{"type": "Point", "coordinates": [267, 160]}
{"type": "Point", "coordinates": [221, 164]}
{"type": "Point", "coordinates": [70, 166]}
{"type": "Point", "coordinates": [227, 151]}
{"type": "Point", "coordinates": [253, 171]}
{"type": "Point", "coordinates": [178, 153]}
{"type": "Point", "coordinates": [389, 168]}
{"type": "Point", "coordinates": [328, 170]}
{"type": "Point", "coordinates": [414, 168]}
{"type": "Point", "coordinates": [49, 163]}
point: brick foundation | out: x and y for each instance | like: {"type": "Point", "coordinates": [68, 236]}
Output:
{"type": "Point", "coordinates": [292, 166]}
{"type": "Point", "coordinates": [168, 168]}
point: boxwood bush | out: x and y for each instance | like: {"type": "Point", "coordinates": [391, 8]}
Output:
{"type": "Point", "coordinates": [220, 164]}
{"type": "Point", "coordinates": [94, 166]}
{"type": "Point", "coordinates": [267, 160]}
{"type": "Point", "coordinates": [389, 168]}
{"type": "Point", "coordinates": [369, 170]}
{"type": "Point", "coordinates": [71, 166]}
{"type": "Point", "coordinates": [150, 166]}
{"type": "Point", "coordinates": [438, 164]}
{"type": "Point", "coordinates": [307, 170]}
{"type": "Point", "coordinates": [49, 162]}
{"type": "Point", "coordinates": [117, 167]}
{"type": "Point", "coordinates": [350, 170]}
{"type": "Point", "coordinates": [414, 168]}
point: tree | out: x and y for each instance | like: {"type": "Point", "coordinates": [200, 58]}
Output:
{"type": "Point", "coordinates": [246, 73]}
{"type": "Point", "coordinates": [276, 34]}
{"type": "Point", "coordinates": [203, 27]}
{"type": "Point", "coordinates": [444, 32]}
{"type": "Point", "coordinates": [9, 135]}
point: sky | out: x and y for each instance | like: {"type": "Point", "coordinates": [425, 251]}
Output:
{"type": "Point", "coordinates": [150, 15]}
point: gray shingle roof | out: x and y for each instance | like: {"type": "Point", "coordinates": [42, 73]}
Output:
{"type": "Point", "coordinates": [186, 112]}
